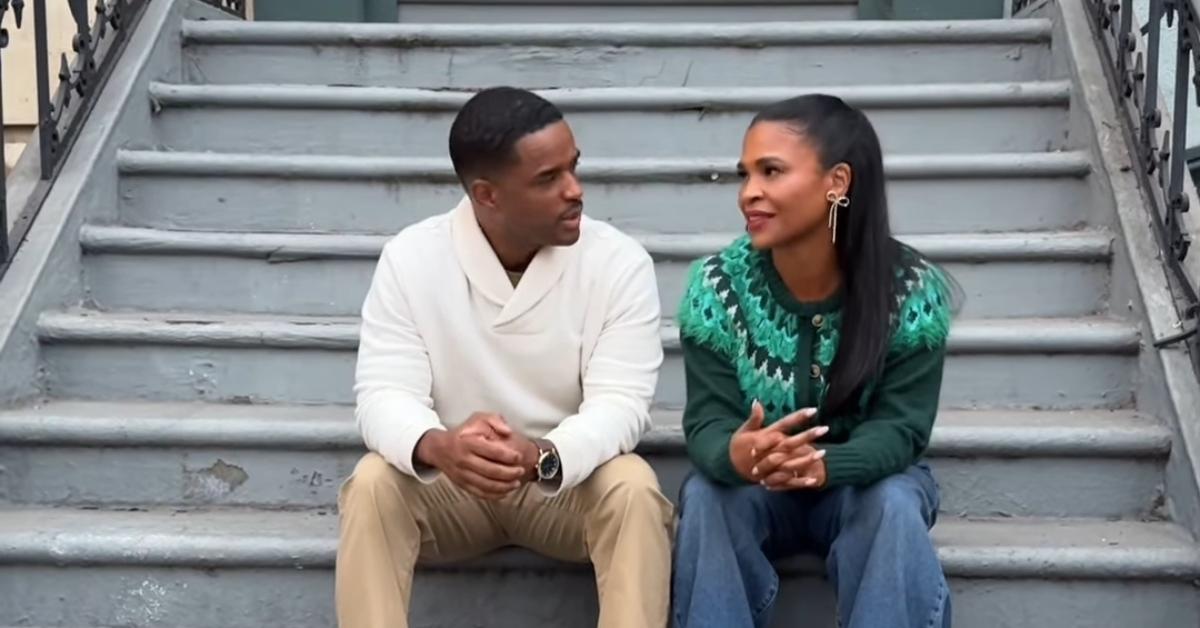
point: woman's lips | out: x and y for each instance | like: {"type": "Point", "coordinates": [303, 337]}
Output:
{"type": "Point", "coordinates": [756, 221]}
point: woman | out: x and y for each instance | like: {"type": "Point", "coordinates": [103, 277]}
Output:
{"type": "Point", "coordinates": [818, 320]}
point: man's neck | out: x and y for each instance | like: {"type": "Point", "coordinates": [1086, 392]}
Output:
{"type": "Point", "coordinates": [514, 257]}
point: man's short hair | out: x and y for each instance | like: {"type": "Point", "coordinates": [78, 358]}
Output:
{"type": "Point", "coordinates": [486, 130]}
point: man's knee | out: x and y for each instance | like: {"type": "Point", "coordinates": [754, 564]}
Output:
{"type": "Point", "coordinates": [372, 479]}
{"type": "Point", "coordinates": [629, 483]}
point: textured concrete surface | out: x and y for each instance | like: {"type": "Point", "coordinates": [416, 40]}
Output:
{"type": "Point", "coordinates": [976, 548]}
{"type": "Point", "coordinates": [1049, 363]}
{"type": "Point", "coordinates": [1002, 275]}
{"type": "Point", "coordinates": [1094, 464]}
{"type": "Point", "coordinates": [681, 55]}
{"type": "Point", "coordinates": [929, 193]}
{"type": "Point", "coordinates": [136, 596]}
{"type": "Point", "coordinates": [235, 568]}
{"type": "Point", "coordinates": [624, 11]}
{"type": "Point", "coordinates": [606, 121]}
{"type": "Point", "coordinates": [233, 244]}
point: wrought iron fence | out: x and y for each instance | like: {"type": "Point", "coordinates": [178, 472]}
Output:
{"type": "Point", "coordinates": [236, 7]}
{"type": "Point", "coordinates": [97, 46]}
{"type": "Point", "coordinates": [1020, 5]}
{"type": "Point", "coordinates": [1160, 154]}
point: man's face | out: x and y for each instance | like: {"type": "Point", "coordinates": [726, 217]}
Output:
{"type": "Point", "coordinates": [538, 197]}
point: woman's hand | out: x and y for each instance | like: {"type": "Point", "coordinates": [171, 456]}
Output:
{"type": "Point", "coordinates": [792, 463]}
{"type": "Point", "coordinates": [753, 442]}
{"type": "Point", "coordinates": [804, 468]}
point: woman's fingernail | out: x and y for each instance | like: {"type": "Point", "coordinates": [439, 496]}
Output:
{"type": "Point", "coordinates": [754, 471]}
{"type": "Point", "coordinates": [754, 451]}
{"type": "Point", "coordinates": [823, 430]}
{"type": "Point", "coordinates": [820, 454]}
{"type": "Point", "coordinates": [810, 482]}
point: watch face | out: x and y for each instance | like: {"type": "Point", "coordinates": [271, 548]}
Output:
{"type": "Point", "coordinates": [548, 466]}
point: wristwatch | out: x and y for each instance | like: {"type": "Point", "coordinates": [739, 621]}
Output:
{"type": "Point", "coordinates": [548, 465]}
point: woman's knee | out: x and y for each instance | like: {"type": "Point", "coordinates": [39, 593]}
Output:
{"type": "Point", "coordinates": [702, 497]}
{"type": "Point", "coordinates": [699, 493]}
{"type": "Point", "coordinates": [895, 501]}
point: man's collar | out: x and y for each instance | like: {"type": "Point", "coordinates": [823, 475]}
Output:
{"type": "Point", "coordinates": [487, 275]}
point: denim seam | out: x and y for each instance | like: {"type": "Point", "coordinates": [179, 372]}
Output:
{"type": "Point", "coordinates": [939, 606]}
{"type": "Point", "coordinates": [769, 600]}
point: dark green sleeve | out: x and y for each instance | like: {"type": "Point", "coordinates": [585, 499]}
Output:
{"type": "Point", "coordinates": [895, 431]}
{"type": "Point", "coordinates": [713, 412]}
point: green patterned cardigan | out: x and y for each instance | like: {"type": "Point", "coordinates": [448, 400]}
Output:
{"type": "Point", "coordinates": [745, 337]}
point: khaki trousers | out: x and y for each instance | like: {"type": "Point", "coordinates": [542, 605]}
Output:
{"type": "Point", "coordinates": [618, 519]}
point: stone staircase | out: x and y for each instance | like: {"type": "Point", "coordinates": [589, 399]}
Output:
{"type": "Point", "coordinates": [182, 464]}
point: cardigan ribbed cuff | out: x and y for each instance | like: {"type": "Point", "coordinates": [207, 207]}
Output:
{"type": "Point", "coordinates": [848, 465]}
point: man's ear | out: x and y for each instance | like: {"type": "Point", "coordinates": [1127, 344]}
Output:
{"type": "Point", "coordinates": [483, 193]}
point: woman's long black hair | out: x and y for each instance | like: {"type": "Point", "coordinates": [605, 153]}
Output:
{"type": "Point", "coordinates": [866, 251]}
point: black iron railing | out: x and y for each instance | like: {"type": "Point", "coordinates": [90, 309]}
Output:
{"type": "Point", "coordinates": [97, 46]}
{"type": "Point", "coordinates": [1020, 5]}
{"type": "Point", "coordinates": [236, 7]}
{"type": "Point", "coordinates": [1160, 153]}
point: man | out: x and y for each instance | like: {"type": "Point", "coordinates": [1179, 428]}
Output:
{"type": "Point", "coordinates": [509, 353]}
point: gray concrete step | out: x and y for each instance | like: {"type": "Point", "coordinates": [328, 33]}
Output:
{"type": "Point", "coordinates": [1002, 274]}
{"type": "Point", "coordinates": [1028, 363]}
{"type": "Point", "coordinates": [606, 55]}
{"type": "Point", "coordinates": [243, 568]}
{"type": "Point", "coordinates": [495, 11]}
{"type": "Point", "coordinates": [997, 463]}
{"type": "Point", "coordinates": [277, 140]}
{"type": "Point", "coordinates": [607, 122]}
{"type": "Point", "coordinates": [329, 193]}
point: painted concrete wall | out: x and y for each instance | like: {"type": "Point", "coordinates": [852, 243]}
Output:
{"type": "Point", "coordinates": [326, 11]}
{"type": "Point", "coordinates": [931, 9]}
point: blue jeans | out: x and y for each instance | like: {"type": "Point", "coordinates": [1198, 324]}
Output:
{"type": "Point", "coordinates": [879, 556]}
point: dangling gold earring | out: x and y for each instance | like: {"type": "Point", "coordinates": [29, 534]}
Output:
{"type": "Point", "coordinates": [836, 201]}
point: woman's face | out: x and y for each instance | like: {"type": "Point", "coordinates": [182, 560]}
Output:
{"type": "Point", "coordinates": [785, 187]}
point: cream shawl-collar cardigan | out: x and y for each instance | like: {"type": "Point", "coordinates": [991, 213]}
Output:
{"type": "Point", "coordinates": [571, 353]}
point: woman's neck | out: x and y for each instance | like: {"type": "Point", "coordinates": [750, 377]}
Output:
{"type": "Point", "coordinates": [809, 267]}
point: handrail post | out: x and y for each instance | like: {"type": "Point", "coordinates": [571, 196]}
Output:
{"type": "Point", "coordinates": [1177, 202]}
{"type": "Point", "coordinates": [45, 115]}
{"type": "Point", "coordinates": [4, 252]}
